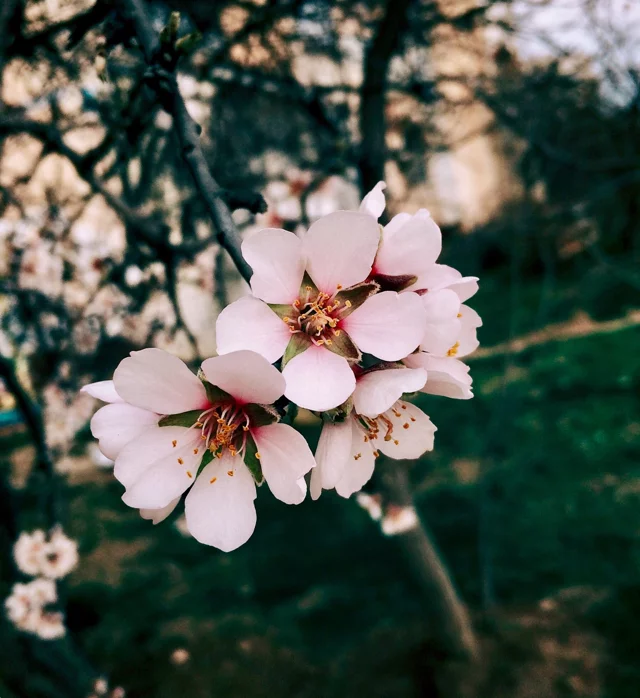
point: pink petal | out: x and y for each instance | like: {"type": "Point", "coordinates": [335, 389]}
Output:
{"type": "Point", "coordinates": [411, 248]}
{"type": "Point", "coordinates": [446, 376]}
{"type": "Point", "coordinates": [440, 276]}
{"type": "Point", "coordinates": [388, 325]}
{"type": "Point", "coordinates": [147, 448]}
{"type": "Point", "coordinates": [374, 202]}
{"type": "Point", "coordinates": [157, 516]}
{"type": "Point", "coordinates": [250, 324]}
{"type": "Point", "coordinates": [412, 435]}
{"type": "Point", "coordinates": [318, 379]}
{"type": "Point", "coordinates": [167, 477]}
{"type": "Point", "coordinates": [102, 390]}
{"type": "Point", "coordinates": [360, 464]}
{"type": "Point", "coordinates": [245, 375]}
{"type": "Point", "coordinates": [443, 327]}
{"type": "Point", "coordinates": [158, 381]}
{"type": "Point", "coordinates": [285, 457]}
{"type": "Point", "coordinates": [115, 425]}
{"type": "Point", "coordinates": [277, 259]}
{"type": "Point", "coordinates": [468, 339]}
{"type": "Point", "coordinates": [394, 225]}
{"type": "Point", "coordinates": [340, 249]}
{"type": "Point", "coordinates": [377, 391]}
{"type": "Point", "coordinates": [220, 509]}
{"type": "Point", "coordinates": [332, 456]}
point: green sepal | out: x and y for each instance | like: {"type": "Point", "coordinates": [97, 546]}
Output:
{"type": "Point", "coordinates": [206, 459]}
{"type": "Point", "coordinates": [261, 415]}
{"type": "Point", "coordinates": [291, 414]}
{"type": "Point", "coordinates": [251, 461]}
{"type": "Point", "coordinates": [215, 395]}
{"type": "Point", "coordinates": [356, 296]}
{"type": "Point", "coordinates": [338, 414]}
{"type": "Point", "coordinates": [298, 343]}
{"type": "Point", "coordinates": [282, 310]}
{"type": "Point", "coordinates": [308, 289]}
{"type": "Point", "coordinates": [184, 419]}
{"type": "Point", "coordinates": [342, 345]}
{"type": "Point", "coordinates": [395, 283]}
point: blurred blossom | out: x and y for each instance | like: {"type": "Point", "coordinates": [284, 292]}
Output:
{"type": "Point", "coordinates": [28, 552]}
{"type": "Point", "coordinates": [53, 557]}
{"type": "Point", "coordinates": [180, 656]}
{"type": "Point", "coordinates": [25, 608]}
{"type": "Point", "coordinates": [399, 520]}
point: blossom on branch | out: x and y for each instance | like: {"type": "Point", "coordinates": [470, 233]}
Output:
{"type": "Point", "coordinates": [315, 306]}
{"type": "Point", "coordinates": [217, 434]}
{"type": "Point", "coordinates": [26, 609]}
{"type": "Point", "coordinates": [53, 557]}
{"type": "Point", "coordinates": [378, 422]}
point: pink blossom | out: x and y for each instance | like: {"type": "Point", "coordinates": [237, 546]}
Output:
{"type": "Point", "coordinates": [314, 304]}
{"type": "Point", "coordinates": [379, 422]}
{"type": "Point", "coordinates": [170, 431]}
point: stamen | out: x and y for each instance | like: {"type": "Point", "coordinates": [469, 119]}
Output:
{"type": "Point", "coordinates": [258, 456]}
{"type": "Point", "coordinates": [357, 456]}
{"type": "Point", "coordinates": [195, 451]}
{"type": "Point", "coordinates": [230, 473]}
{"type": "Point", "coordinates": [180, 461]}
{"type": "Point", "coordinates": [405, 425]}
{"type": "Point", "coordinates": [213, 479]}
{"type": "Point", "coordinates": [454, 349]}
{"type": "Point", "coordinates": [339, 287]}
{"type": "Point", "coordinates": [189, 474]}
{"type": "Point", "coordinates": [174, 443]}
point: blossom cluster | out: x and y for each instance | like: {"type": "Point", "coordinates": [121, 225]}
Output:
{"type": "Point", "coordinates": [47, 559]}
{"type": "Point", "coordinates": [343, 321]}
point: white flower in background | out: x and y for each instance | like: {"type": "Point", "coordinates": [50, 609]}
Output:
{"type": "Point", "coordinates": [101, 687]}
{"type": "Point", "coordinates": [180, 656]}
{"type": "Point", "coordinates": [60, 555]}
{"type": "Point", "coordinates": [312, 305]}
{"type": "Point", "coordinates": [380, 422]}
{"type": "Point", "coordinates": [54, 557]}
{"type": "Point", "coordinates": [25, 608]}
{"type": "Point", "coordinates": [28, 552]}
{"type": "Point", "coordinates": [169, 431]}
{"type": "Point", "coordinates": [399, 520]}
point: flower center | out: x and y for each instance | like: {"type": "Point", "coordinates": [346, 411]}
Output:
{"type": "Point", "coordinates": [317, 316]}
{"type": "Point", "coordinates": [224, 426]}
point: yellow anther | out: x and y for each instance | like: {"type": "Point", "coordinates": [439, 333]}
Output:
{"type": "Point", "coordinates": [198, 424]}
{"type": "Point", "coordinates": [366, 438]}
{"type": "Point", "coordinates": [307, 288]}
{"type": "Point", "coordinates": [180, 461]}
{"type": "Point", "coordinates": [404, 407]}
{"type": "Point", "coordinates": [245, 428]}
{"type": "Point", "coordinates": [396, 442]}
{"type": "Point", "coordinates": [258, 456]}
{"type": "Point", "coordinates": [287, 319]}
{"type": "Point", "coordinates": [339, 287]}
{"type": "Point", "coordinates": [459, 314]}
{"type": "Point", "coordinates": [195, 451]}
{"type": "Point", "coordinates": [338, 333]}
{"type": "Point", "coordinates": [357, 456]}
{"type": "Point", "coordinates": [376, 454]}
{"type": "Point", "coordinates": [328, 341]}
{"type": "Point", "coordinates": [413, 419]}
{"type": "Point", "coordinates": [213, 479]}
{"type": "Point", "coordinates": [189, 474]}
{"type": "Point", "coordinates": [174, 443]}
{"type": "Point", "coordinates": [387, 438]}
{"type": "Point", "coordinates": [348, 304]}
{"type": "Point", "coordinates": [203, 437]}
{"type": "Point", "coordinates": [454, 349]}
{"type": "Point", "coordinates": [405, 425]}
{"type": "Point", "coordinates": [230, 473]}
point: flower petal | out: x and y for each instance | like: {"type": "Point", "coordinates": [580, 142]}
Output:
{"type": "Point", "coordinates": [245, 375]}
{"type": "Point", "coordinates": [446, 376]}
{"type": "Point", "coordinates": [360, 464]}
{"type": "Point", "coordinates": [157, 516]}
{"type": "Point", "coordinates": [374, 202]}
{"type": "Point", "coordinates": [388, 325]}
{"type": "Point", "coordinates": [102, 390]}
{"type": "Point", "coordinates": [158, 381]}
{"type": "Point", "coordinates": [318, 379]}
{"type": "Point", "coordinates": [332, 456]}
{"type": "Point", "coordinates": [277, 259]}
{"type": "Point", "coordinates": [440, 276]}
{"type": "Point", "coordinates": [340, 249]}
{"type": "Point", "coordinates": [443, 326]}
{"type": "Point", "coordinates": [147, 448]}
{"type": "Point", "coordinates": [395, 224]}
{"type": "Point", "coordinates": [468, 339]}
{"type": "Point", "coordinates": [115, 425]}
{"type": "Point", "coordinates": [411, 248]}
{"type": "Point", "coordinates": [285, 457]}
{"type": "Point", "coordinates": [220, 509]}
{"type": "Point", "coordinates": [412, 433]}
{"type": "Point", "coordinates": [168, 477]}
{"type": "Point", "coordinates": [376, 391]}
{"type": "Point", "coordinates": [250, 324]}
